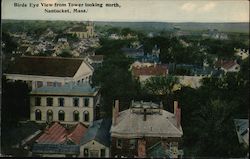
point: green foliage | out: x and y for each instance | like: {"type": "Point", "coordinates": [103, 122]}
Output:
{"type": "Point", "coordinates": [208, 113]}
{"type": "Point", "coordinates": [15, 103]}
{"type": "Point", "coordinates": [160, 85]}
{"type": "Point", "coordinates": [115, 81]}
{"type": "Point", "coordinates": [65, 53]}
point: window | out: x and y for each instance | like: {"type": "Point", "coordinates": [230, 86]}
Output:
{"type": "Point", "coordinates": [119, 143]}
{"type": "Point", "coordinates": [38, 115]}
{"type": "Point", "coordinates": [49, 101]}
{"type": "Point", "coordinates": [76, 115]}
{"type": "Point", "coordinates": [132, 143]}
{"type": "Point", "coordinates": [86, 116]}
{"type": "Point", "coordinates": [39, 84]}
{"type": "Point", "coordinates": [103, 153]}
{"type": "Point", "coordinates": [86, 152]}
{"type": "Point", "coordinates": [76, 102]}
{"type": "Point", "coordinates": [49, 83]}
{"type": "Point", "coordinates": [86, 102]}
{"type": "Point", "coordinates": [49, 115]}
{"type": "Point", "coordinates": [61, 102]}
{"type": "Point", "coordinates": [38, 101]}
{"type": "Point", "coordinates": [61, 115]}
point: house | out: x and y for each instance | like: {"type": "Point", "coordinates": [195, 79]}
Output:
{"type": "Point", "coordinates": [95, 60]}
{"type": "Point", "coordinates": [68, 104]}
{"type": "Point", "coordinates": [242, 53]}
{"type": "Point", "coordinates": [133, 52]}
{"type": "Point", "coordinates": [39, 71]}
{"type": "Point", "coordinates": [242, 129]}
{"type": "Point", "coordinates": [228, 65]}
{"type": "Point", "coordinates": [145, 72]}
{"type": "Point", "coordinates": [143, 129]}
{"type": "Point", "coordinates": [58, 141]}
{"type": "Point", "coordinates": [96, 141]}
{"type": "Point", "coordinates": [83, 31]}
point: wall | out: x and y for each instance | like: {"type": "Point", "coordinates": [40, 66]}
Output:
{"type": "Point", "coordinates": [94, 145]}
{"type": "Point", "coordinates": [68, 108]}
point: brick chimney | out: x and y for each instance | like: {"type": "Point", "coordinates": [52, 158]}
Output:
{"type": "Point", "coordinates": [115, 112]}
{"type": "Point", "coordinates": [175, 107]}
{"type": "Point", "coordinates": [177, 113]}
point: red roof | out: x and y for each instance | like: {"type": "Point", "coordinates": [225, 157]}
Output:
{"type": "Point", "coordinates": [57, 134]}
{"type": "Point", "coordinates": [226, 64]}
{"type": "Point", "coordinates": [53, 135]}
{"type": "Point", "coordinates": [155, 70]}
{"type": "Point", "coordinates": [77, 134]}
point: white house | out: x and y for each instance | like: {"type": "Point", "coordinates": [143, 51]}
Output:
{"type": "Point", "coordinates": [96, 141]}
{"type": "Point", "coordinates": [228, 65]}
{"type": "Point", "coordinates": [39, 71]}
{"type": "Point", "coordinates": [242, 53]}
{"type": "Point", "coordinates": [68, 104]}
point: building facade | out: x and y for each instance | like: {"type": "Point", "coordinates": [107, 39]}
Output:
{"type": "Point", "coordinates": [144, 129]}
{"type": "Point", "coordinates": [96, 142]}
{"type": "Point", "coordinates": [84, 31]}
{"type": "Point", "coordinates": [49, 71]}
{"type": "Point", "coordinates": [70, 103]}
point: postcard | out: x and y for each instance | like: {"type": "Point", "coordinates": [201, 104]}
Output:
{"type": "Point", "coordinates": [125, 79]}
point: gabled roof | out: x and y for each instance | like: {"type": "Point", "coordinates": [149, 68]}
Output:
{"type": "Point", "coordinates": [226, 64]}
{"type": "Point", "coordinates": [78, 132]}
{"type": "Point", "coordinates": [58, 134]}
{"type": "Point", "coordinates": [53, 135]}
{"type": "Point", "coordinates": [98, 131]}
{"type": "Point", "coordinates": [155, 70]}
{"type": "Point", "coordinates": [45, 66]}
{"type": "Point", "coordinates": [67, 89]}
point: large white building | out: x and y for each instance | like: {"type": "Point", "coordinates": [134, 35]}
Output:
{"type": "Point", "coordinates": [70, 103]}
{"type": "Point", "coordinates": [39, 71]}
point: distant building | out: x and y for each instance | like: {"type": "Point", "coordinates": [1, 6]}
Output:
{"type": "Point", "coordinates": [95, 60]}
{"type": "Point", "coordinates": [144, 72]}
{"type": "Point", "coordinates": [58, 141]}
{"type": "Point", "coordinates": [68, 104]}
{"type": "Point", "coordinates": [133, 52]}
{"type": "Point", "coordinates": [242, 129]}
{"type": "Point", "coordinates": [145, 129]}
{"type": "Point", "coordinates": [242, 53]}
{"type": "Point", "coordinates": [83, 31]}
{"type": "Point", "coordinates": [96, 141]}
{"type": "Point", "coordinates": [39, 71]}
{"type": "Point", "coordinates": [228, 65]}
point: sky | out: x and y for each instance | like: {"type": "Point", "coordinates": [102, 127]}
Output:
{"type": "Point", "coordinates": [135, 10]}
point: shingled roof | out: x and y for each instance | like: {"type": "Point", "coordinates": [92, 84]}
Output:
{"type": "Point", "coordinates": [98, 131]}
{"type": "Point", "coordinates": [155, 70]}
{"type": "Point", "coordinates": [45, 66]}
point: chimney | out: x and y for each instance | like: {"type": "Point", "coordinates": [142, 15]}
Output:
{"type": "Point", "coordinates": [115, 112]}
{"type": "Point", "coordinates": [175, 107]}
{"type": "Point", "coordinates": [178, 118]}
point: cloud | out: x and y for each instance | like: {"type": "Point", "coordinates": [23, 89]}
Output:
{"type": "Point", "coordinates": [188, 6]}
{"type": "Point", "coordinates": [198, 6]}
{"type": "Point", "coordinates": [207, 7]}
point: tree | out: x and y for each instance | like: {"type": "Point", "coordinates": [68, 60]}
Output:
{"type": "Point", "coordinates": [115, 81]}
{"type": "Point", "coordinates": [162, 88]}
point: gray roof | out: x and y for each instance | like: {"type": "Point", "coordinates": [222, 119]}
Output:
{"type": "Point", "coordinates": [131, 124]}
{"type": "Point", "coordinates": [55, 149]}
{"type": "Point", "coordinates": [98, 131]}
{"type": "Point", "coordinates": [67, 89]}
